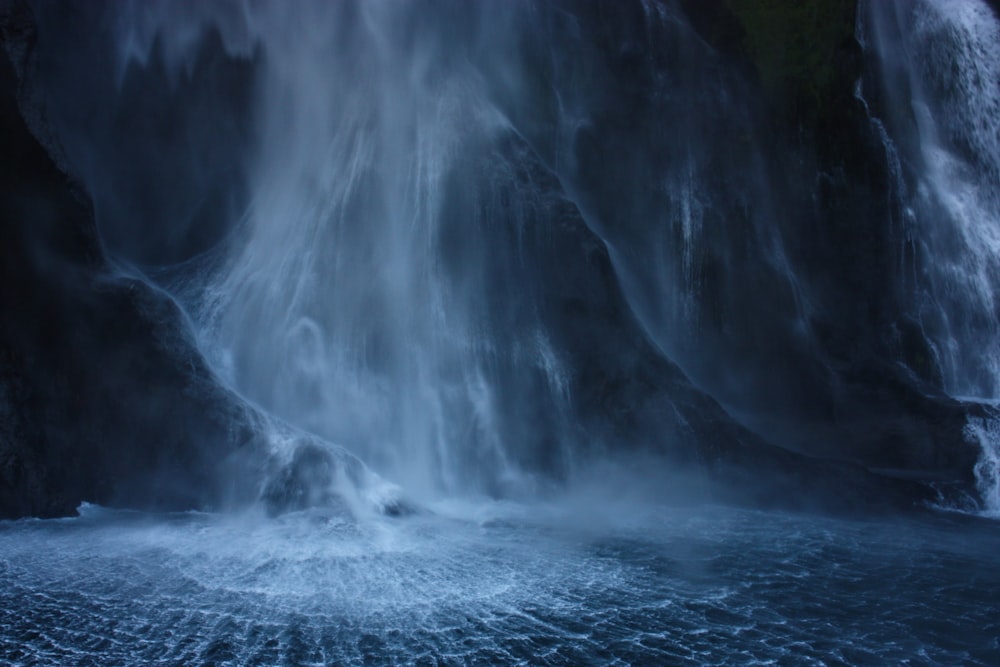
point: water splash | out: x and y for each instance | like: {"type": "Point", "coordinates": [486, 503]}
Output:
{"type": "Point", "coordinates": [986, 434]}
{"type": "Point", "coordinates": [508, 584]}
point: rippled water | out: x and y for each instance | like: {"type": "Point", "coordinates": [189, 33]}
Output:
{"type": "Point", "coordinates": [499, 584]}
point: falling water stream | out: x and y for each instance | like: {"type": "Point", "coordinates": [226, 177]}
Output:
{"type": "Point", "coordinates": [940, 64]}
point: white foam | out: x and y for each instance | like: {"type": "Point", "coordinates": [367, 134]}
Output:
{"type": "Point", "coordinates": [986, 433]}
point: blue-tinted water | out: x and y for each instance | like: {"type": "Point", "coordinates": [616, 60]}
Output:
{"type": "Point", "coordinates": [500, 584]}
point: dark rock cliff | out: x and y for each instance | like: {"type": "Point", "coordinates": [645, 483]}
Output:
{"type": "Point", "coordinates": [102, 394]}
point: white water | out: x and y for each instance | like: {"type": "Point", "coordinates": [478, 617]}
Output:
{"type": "Point", "coordinates": [940, 61]}
{"type": "Point", "coordinates": [986, 433]}
{"type": "Point", "coordinates": [354, 299]}
{"type": "Point", "coordinates": [565, 584]}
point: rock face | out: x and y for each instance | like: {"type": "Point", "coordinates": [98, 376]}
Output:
{"type": "Point", "coordinates": [882, 380]}
{"type": "Point", "coordinates": [105, 397]}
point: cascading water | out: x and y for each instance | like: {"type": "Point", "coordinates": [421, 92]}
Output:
{"type": "Point", "coordinates": [383, 288]}
{"type": "Point", "coordinates": [458, 238]}
{"type": "Point", "coordinates": [330, 308]}
{"type": "Point", "coordinates": [376, 292]}
{"type": "Point", "coordinates": [939, 68]}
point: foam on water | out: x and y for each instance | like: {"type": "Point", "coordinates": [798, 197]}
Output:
{"type": "Point", "coordinates": [986, 433]}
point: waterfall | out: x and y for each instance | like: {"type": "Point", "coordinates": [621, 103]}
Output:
{"type": "Point", "coordinates": [938, 63]}
{"type": "Point", "coordinates": [416, 170]}
{"type": "Point", "coordinates": [986, 433]}
{"type": "Point", "coordinates": [482, 245]}
{"type": "Point", "coordinates": [375, 291]}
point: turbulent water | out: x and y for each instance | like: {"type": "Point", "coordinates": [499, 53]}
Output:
{"type": "Point", "coordinates": [557, 584]}
{"type": "Point", "coordinates": [499, 584]}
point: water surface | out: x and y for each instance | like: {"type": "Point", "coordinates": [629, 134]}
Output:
{"type": "Point", "coordinates": [499, 584]}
